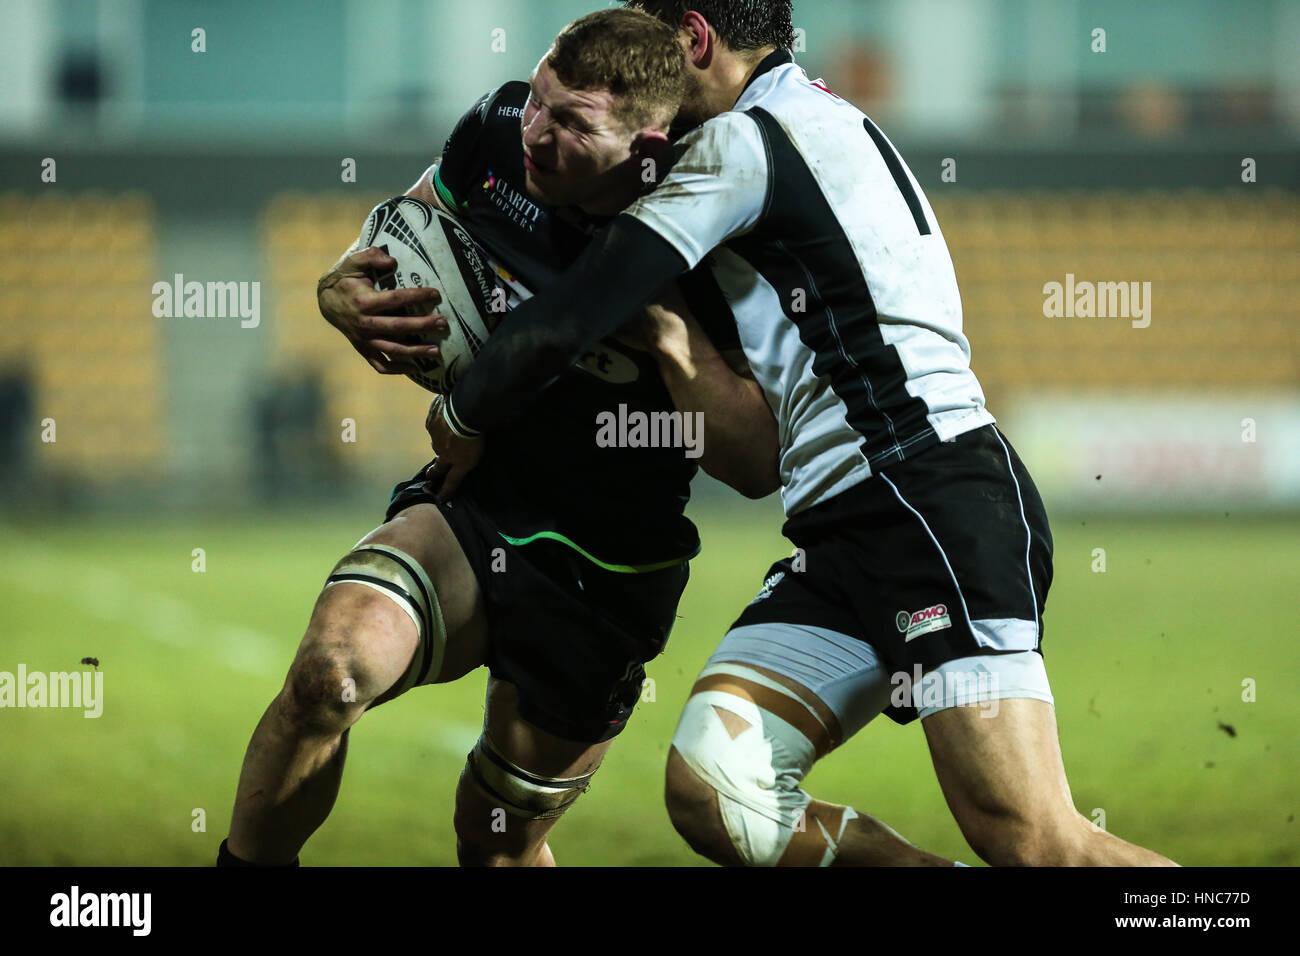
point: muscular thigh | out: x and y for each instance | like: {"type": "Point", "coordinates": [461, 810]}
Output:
{"type": "Point", "coordinates": [422, 532]}
{"type": "Point", "coordinates": [532, 748]}
{"type": "Point", "coordinates": [1002, 764]}
{"type": "Point", "coordinates": [367, 631]}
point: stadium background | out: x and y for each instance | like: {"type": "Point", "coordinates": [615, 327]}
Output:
{"type": "Point", "coordinates": [175, 489]}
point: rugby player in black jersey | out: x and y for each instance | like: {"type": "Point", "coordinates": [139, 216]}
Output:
{"type": "Point", "coordinates": [559, 564]}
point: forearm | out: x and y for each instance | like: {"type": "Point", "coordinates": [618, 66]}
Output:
{"type": "Point", "coordinates": [377, 322]}
{"type": "Point", "coordinates": [624, 266]}
{"type": "Point", "coordinates": [741, 446]}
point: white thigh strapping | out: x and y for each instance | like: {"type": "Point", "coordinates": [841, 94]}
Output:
{"type": "Point", "coordinates": [846, 674]}
{"type": "Point", "coordinates": [842, 671]}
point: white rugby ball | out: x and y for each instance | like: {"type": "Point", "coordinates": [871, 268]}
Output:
{"type": "Point", "coordinates": [432, 249]}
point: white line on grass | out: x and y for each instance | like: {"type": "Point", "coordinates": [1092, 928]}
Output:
{"type": "Point", "coordinates": [112, 597]}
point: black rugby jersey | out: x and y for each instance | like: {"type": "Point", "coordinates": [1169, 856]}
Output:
{"type": "Point", "coordinates": [543, 474]}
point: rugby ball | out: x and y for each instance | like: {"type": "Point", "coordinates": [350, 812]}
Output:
{"type": "Point", "coordinates": [433, 249]}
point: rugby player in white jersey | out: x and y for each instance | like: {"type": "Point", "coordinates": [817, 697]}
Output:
{"type": "Point", "coordinates": [561, 565]}
{"type": "Point", "coordinates": [923, 549]}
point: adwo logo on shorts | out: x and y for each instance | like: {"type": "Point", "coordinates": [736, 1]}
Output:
{"type": "Point", "coordinates": [913, 625]}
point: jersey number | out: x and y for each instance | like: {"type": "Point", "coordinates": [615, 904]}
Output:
{"type": "Point", "coordinates": [900, 175]}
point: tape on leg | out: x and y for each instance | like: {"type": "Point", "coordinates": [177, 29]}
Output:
{"type": "Point", "coordinates": [755, 762]}
{"type": "Point", "coordinates": [833, 843]}
{"type": "Point", "coordinates": [397, 575]}
{"type": "Point", "coordinates": [516, 790]}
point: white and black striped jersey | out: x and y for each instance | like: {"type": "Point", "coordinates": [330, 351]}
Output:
{"type": "Point", "coordinates": [830, 258]}
{"type": "Point", "coordinates": [839, 278]}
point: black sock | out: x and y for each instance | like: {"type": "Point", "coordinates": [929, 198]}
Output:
{"type": "Point", "coordinates": [226, 858]}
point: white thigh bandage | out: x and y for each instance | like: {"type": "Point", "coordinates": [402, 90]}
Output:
{"type": "Point", "coordinates": [397, 575]}
{"type": "Point", "coordinates": [843, 672]}
{"type": "Point", "coordinates": [516, 790]}
{"type": "Point", "coordinates": [756, 765]}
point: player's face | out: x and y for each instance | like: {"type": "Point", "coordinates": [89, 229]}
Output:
{"type": "Point", "coordinates": [576, 152]}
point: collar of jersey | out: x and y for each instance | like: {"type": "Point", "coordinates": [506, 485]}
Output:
{"type": "Point", "coordinates": [767, 65]}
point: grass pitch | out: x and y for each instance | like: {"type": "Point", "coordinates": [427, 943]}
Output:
{"type": "Point", "coordinates": [1149, 662]}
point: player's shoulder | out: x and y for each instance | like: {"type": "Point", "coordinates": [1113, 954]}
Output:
{"type": "Point", "coordinates": [486, 137]}
{"type": "Point", "coordinates": [504, 104]}
{"type": "Point", "coordinates": [721, 144]}
{"type": "Point", "coordinates": [788, 104]}
{"type": "Point", "coordinates": [733, 124]}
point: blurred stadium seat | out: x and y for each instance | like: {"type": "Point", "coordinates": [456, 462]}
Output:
{"type": "Point", "coordinates": [74, 270]}
{"type": "Point", "coordinates": [1223, 268]}
{"type": "Point", "coordinates": [303, 234]}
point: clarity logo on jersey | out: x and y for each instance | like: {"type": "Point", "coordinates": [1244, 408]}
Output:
{"type": "Point", "coordinates": [913, 625]}
{"type": "Point", "coordinates": [521, 210]}
{"type": "Point", "coordinates": [768, 586]}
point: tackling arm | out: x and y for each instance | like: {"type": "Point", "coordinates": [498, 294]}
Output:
{"type": "Point", "coordinates": [741, 444]}
{"type": "Point", "coordinates": [621, 270]}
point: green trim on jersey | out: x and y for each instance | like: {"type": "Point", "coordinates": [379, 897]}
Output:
{"type": "Point", "coordinates": [444, 193]}
{"type": "Point", "coordinates": [620, 568]}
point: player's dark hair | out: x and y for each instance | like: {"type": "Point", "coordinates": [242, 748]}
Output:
{"type": "Point", "coordinates": [633, 55]}
{"type": "Point", "coordinates": [742, 25]}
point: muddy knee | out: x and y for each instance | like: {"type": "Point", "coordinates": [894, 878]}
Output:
{"type": "Point", "coordinates": [358, 648]}
{"type": "Point", "coordinates": [377, 631]}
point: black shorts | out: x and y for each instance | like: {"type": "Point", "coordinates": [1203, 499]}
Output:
{"type": "Point", "coordinates": [938, 557]}
{"type": "Point", "coordinates": [571, 636]}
